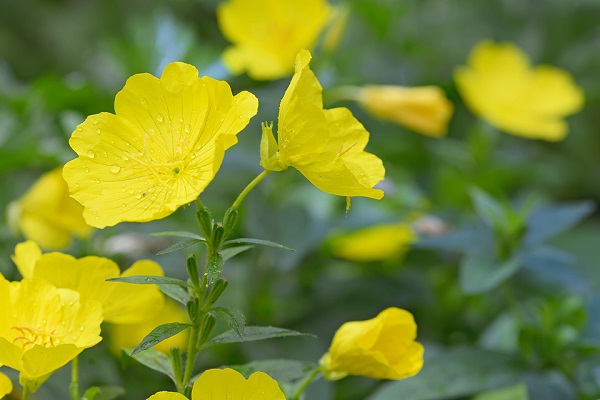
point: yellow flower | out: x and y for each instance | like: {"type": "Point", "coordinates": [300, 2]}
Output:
{"type": "Point", "coordinates": [225, 384]}
{"type": "Point", "coordinates": [122, 303]}
{"type": "Point", "coordinates": [423, 109]}
{"type": "Point", "coordinates": [42, 328]}
{"type": "Point", "coordinates": [47, 214]}
{"type": "Point", "coordinates": [162, 148]}
{"type": "Point", "coordinates": [500, 85]}
{"type": "Point", "coordinates": [267, 35]}
{"type": "Point", "coordinates": [130, 335]}
{"type": "Point", "coordinates": [374, 243]}
{"type": "Point", "coordinates": [383, 348]}
{"type": "Point", "coordinates": [326, 146]}
{"type": "Point", "coordinates": [6, 385]}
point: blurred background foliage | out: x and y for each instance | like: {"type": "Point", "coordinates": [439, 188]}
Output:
{"type": "Point", "coordinates": [504, 285]}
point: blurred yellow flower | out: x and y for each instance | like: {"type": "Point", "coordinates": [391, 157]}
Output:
{"type": "Point", "coordinates": [42, 328]}
{"type": "Point", "coordinates": [47, 214]}
{"type": "Point", "coordinates": [228, 384]}
{"type": "Point", "coordinates": [500, 85]}
{"type": "Point", "coordinates": [6, 385]}
{"type": "Point", "coordinates": [374, 243]}
{"type": "Point", "coordinates": [267, 34]}
{"type": "Point", "coordinates": [122, 303]}
{"type": "Point", "coordinates": [423, 109]}
{"type": "Point", "coordinates": [326, 146]}
{"type": "Point", "coordinates": [130, 335]}
{"type": "Point", "coordinates": [160, 150]}
{"type": "Point", "coordinates": [382, 348]}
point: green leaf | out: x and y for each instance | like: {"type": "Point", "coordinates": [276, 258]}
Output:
{"type": "Point", "coordinates": [254, 333]}
{"type": "Point", "coordinates": [454, 373]}
{"type": "Point", "coordinates": [488, 208]}
{"type": "Point", "coordinates": [233, 251]}
{"type": "Point", "coordinates": [175, 292]}
{"type": "Point", "coordinates": [516, 392]}
{"type": "Point", "coordinates": [215, 267]}
{"type": "Point", "coordinates": [158, 334]}
{"type": "Point", "coordinates": [154, 360]}
{"type": "Point", "coordinates": [256, 241]}
{"type": "Point", "coordinates": [289, 374]}
{"type": "Point", "coordinates": [181, 234]}
{"type": "Point", "coordinates": [151, 280]}
{"type": "Point", "coordinates": [103, 393]}
{"type": "Point", "coordinates": [180, 245]}
{"type": "Point", "coordinates": [549, 221]}
{"type": "Point", "coordinates": [234, 318]}
{"type": "Point", "coordinates": [480, 273]}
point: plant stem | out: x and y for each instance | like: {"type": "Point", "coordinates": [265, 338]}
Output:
{"type": "Point", "coordinates": [304, 384]}
{"type": "Point", "coordinates": [74, 388]}
{"type": "Point", "coordinates": [25, 394]}
{"type": "Point", "coordinates": [248, 188]}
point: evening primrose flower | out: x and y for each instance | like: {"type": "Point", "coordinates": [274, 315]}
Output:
{"type": "Point", "coordinates": [326, 146]}
{"type": "Point", "coordinates": [6, 385]}
{"type": "Point", "coordinates": [47, 214]}
{"type": "Point", "coordinates": [42, 328]}
{"type": "Point", "coordinates": [382, 348]}
{"type": "Point", "coordinates": [130, 335]}
{"type": "Point", "coordinates": [267, 35]}
{"type": "Point", "coordinates": [374, 243]}
{"type": "Point", "coordinates": [225, 384]}
{"type": "Point", "coordinates": [160, 150]}
{"type": "Point", "coordinates": [424, 109]}
{"type": "Point", "coordinates": [500, 85]}
{"type": "Point", "coordinates": [122, 303]}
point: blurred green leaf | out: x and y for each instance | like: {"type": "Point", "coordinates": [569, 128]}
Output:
{"type": "Point", "coordinates": [546, 222]}
{"type": "Point", "coordinates": [480, 273]}
{"type": "Point", "coordinates": [254, 333]}
{"type": "Point", "coordinates": [516, 392]}
{"type": "Point", "coordinates": [256, 241]}
{"type": "Point", "coordinates": [103, 393]}
{"type": "Point", "coordinates": [454, 373]}
{"type": "Point", "coordinates": [158, 334]}
{"type": "Point", "coordinates": [488, 208]}
{"type": "Point", "coordinates": [234, 318]}
{"type": "Point", "coordinates": [180, 245]}
{"type": "Point", "coordinates": [233, 251]}
{"type": "Point", "coordinates": [150, 280]}
{"type": "Point", "coordinates": [154, 360]}
{"type": "Point", "coordinates": [182, 234]}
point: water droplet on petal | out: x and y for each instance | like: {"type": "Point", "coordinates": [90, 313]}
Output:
{"type": "Point", "coordinates": [97, 180]}
{"type": "Point", "coordinates": [159, 117]}
{"type": "Point", "coordinates": [143, 100]}
{"type": "Point", "coordinates": [115, 168]}
{"type": "Point", "coordinates": [181, 118]}
{"type": "Point", "coordinates": [187, 128]}
{"type": "Point", "coordinates": [91, 154]}
{"type": "Point", "coordinates": [98, 131]}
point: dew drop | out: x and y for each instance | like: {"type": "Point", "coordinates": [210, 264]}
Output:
{"type": "Point", "coordinates": [98, 131]}
{"type": "Point", "coordinates": [91, 154]}
{"type": "Point", "coordinates": [79, 128]}
{"type": "Point", "coordinates": [138, 196]}
{"type": "Point", "coordinates": [159, 117]}
{"type": "Point", "coordinates": [115, 168]}
{"type": "Point", "coordinates": [181, 118]}
{"type": "Point", "coordinates": [97, 180]}
{"type": "Point", "coordinates": [131, 191]}
{"type": "Point", "coordinates": [143, 100]}
{"type": "Point", "coordinates": [151, 131]}
{"type": "Point", "coordinates": [125, 157]}
{"type": "Point", "coordinates": [187, 128]}
{"type": "Point", "coordinates": [95, 121]}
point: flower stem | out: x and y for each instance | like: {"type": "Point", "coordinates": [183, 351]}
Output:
{"type": "Point", "coordinates": [74, 388]}
{"type": "Point", "coordinates": [248, 188]}
{"type": "Point", "coordinates": [305, 383]}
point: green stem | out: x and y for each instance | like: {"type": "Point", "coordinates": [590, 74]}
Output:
{"type": "Point", "coordinates": [304, 384]}
{"type": "Point", "coordinates": [74, 388]}
{"type": "Point", "coordinates": [25, 394]}
{"type": "Point", "coordinates": [248, 188]}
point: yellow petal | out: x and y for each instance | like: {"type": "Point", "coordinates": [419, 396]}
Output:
{"type": "Point", "coordinates": [162, 148]}
{"type": "Point", "coordinates": [326, 146]}
{"type": "Point", "coordinates": [26, 255]}
{"type": "Point", "coordinates": [224, 384]}
{"type": "Point", "coordinates": [167, 396]}
{"type": "Point", "coordinates": [423, 109]}
{"type": "Point", "coordinates": [6, 385]}
{"type": "Point", "coordinates": [47, 214]}
{"type": "Point", "coordinates": [499, 85]}
{"type": "Point", "coordinates": [374, 243]}
{"type": "Point", "coordinates": [381, 348]}
{"type": "Point", "coordinates": [267, 34]}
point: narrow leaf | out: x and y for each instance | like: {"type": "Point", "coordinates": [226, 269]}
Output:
{"type": "Point", "coordinates": [151, 280]}
{"type": "Point", "coordinates": [254, 333]}
{"type": "Point", "coordinates": [487, 208]}
{"type": "Point", "coordinates": [256, 241]}
{"type": "Point", "coordinates": [516, 392]}
{"type": "Point", "coordinates": [175, 292]}
{"type": "Point", "coordinates": [234, 251]}
{"type": "Point", "coordinates": [153, 359]}
{"type": "Point", "coordinates": [549, 221]}
{"type": "Point", "coordinates": [158, 334]}
{"type": "Point", "coordinates": [180, 245]}
{"type": "Point", "coordinates": [480, 273]}
{"type": "Point", "coordinates": [103, 393]}
{"type": "Point", "coordinates": [234, 318]}
{"type": "Point", "coordinates": [215, 267]}
{"type": "Point", "coordinates": [181, 234]}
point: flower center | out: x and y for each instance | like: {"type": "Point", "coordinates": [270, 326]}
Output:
{"type": "Point", "coordinates": [26, 337]}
